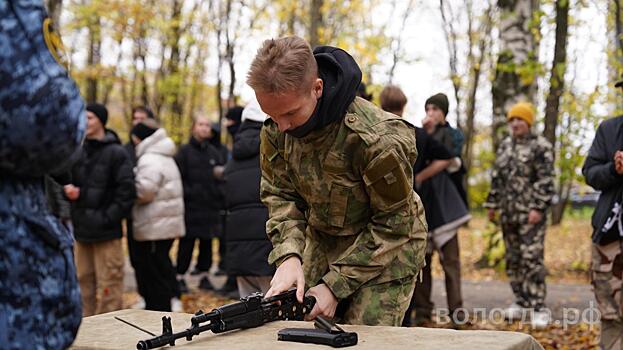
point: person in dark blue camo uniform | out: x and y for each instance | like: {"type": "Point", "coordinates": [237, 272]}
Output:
{"type": "Point", "coordinates": [42, 122]}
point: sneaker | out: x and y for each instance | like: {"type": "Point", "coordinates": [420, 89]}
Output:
{"type": "Point", "coordinates": [204, 284]}
{"type": "Point", "coordinates": [540, 319]}
{"type": "Point", "coordinates": [139, 305]}
{"type": "Point", "coordinates": [176, 305]}
{"type": "Point", "coordinates": [220, 272]}
{"type": "Point", "coordinates": [183, 287]}
{"type": "Point", "coordinates": [513, 312]}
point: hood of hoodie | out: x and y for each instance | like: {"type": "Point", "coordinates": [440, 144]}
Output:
{"type": "Point", "coordinates": [247, 141]}
{"type": "Point", "coordinates": [341, 77]}
{"type": "Point", "coordinates": [110, 137]}
{"type": "Point", "coordinates": [158, 143]}
{"type": "Point", "coordinates": [253, 112]}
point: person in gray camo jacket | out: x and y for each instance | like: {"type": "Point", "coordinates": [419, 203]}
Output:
{"type": "Point", "coordinates": [522, 188]}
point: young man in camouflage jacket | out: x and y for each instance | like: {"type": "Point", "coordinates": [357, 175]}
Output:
{"type": "Point", "coordinates": [337, 180]}
{"type": "Point", "coordinates": [522, 187]}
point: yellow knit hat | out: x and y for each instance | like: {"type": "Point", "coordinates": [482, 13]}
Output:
{"type": "Point", "coordinates": [522, 110]}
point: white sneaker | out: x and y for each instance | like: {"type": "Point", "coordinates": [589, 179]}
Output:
{"type": "Point", "coordinates": [140, 304]}
{"type": "Point", "coordinates": [513, 312]}
{"type": "Point", "coordinates": [540, 319]}
{"type": "Point", "coordinates": [176, 305]}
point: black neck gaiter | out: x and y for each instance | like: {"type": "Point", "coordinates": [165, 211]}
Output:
{"type": "Point", "coordinates": [341, 77]}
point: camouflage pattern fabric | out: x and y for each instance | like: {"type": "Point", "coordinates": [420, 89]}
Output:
{"type": "Point", "coordinates": [341, 199]}
{"type": "Point", "coordinates": [381, 304]}
{"type": "Point", "coordinates": [522, 178]}
{"type": "Point", "coordinates": [524, 263]}
{"type": "Point", "coordinates": [607, 281]}
{"type": "Point", "coordinates": [42, 123]}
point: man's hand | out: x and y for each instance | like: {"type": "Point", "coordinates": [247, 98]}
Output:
{"type": "Point", "coordinates": [491, 214]}
{"type": "Point", "coordinates": [288, 274]}
{"type": "Point", "coordinates": [72, 192]}
{"type": "Point", "coordinates": [428, 124]}
{"type": "Point", "coordinates": [618, 162]}
{"type": "Point", "coordinates": [326, 302]}
{"type": "Point", "coordinates": [534, 217]}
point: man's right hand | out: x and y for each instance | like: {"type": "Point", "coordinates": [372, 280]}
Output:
{"type": "Point", "coordinates": [72, 192]}
{"type": "Point", "coordinates": [288, 274]}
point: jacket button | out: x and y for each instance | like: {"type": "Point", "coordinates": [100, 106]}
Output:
{"type": "Point", "coordinates": [352, 119]}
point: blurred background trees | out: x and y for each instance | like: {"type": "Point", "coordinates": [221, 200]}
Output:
{"type": "Point", "coordinates": [189, 57]}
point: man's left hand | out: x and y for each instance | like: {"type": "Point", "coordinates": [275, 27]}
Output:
{"type": "Point", "coordinates": [534, 217]}
{"type": "Point", "coordinates": [326, 302]}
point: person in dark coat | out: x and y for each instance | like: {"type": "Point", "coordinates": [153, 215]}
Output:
{"type": "Point", "coordinates": [247, 244]}
{"type": "Point", "coordinates": [603, 170]}
{"type": "Point", "coordinates": [444, 208]}
{"type": "Point", "coordinates": [203, 198]}
{"type": "Point", "coordinates": [435, 123]}
{"type": "Point", "coordinates": [101, 194]}
{"type": "Point", "coordinates": [42, 124]}
{"type": "Point", "coordinates": [139, 114]}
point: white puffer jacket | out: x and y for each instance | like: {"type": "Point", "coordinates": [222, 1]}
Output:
{"type": "Point", "coordinates": [159, 210]}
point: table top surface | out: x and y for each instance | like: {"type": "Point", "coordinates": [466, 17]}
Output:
{"type": "Point", "coordinates": [104, 332]}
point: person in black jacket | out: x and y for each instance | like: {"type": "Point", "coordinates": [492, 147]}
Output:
{"type": "Point", "coordinates": [203, 198]}
{"type": "Point", "coordinates": [101, 195]}
{"type": "Point", "coordinates": [603, 170]}
{"type": "Point", "coordinates": [247, 244]}
{"type": "Point", "coordinates": [139, 114]}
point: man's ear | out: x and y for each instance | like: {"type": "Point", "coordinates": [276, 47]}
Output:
{"type": "Point", "coordinates": [317, 87]}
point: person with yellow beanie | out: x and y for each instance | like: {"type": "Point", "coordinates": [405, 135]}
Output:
{"type": "Point", "coordinates": [523, 111]}
{"type": "Point", "coordinates": [522, 188]}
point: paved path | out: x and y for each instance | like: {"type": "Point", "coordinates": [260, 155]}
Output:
{"type": "Point", "coordinates": [476, 294]}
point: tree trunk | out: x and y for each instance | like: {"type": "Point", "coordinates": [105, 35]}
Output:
{"type": "Point", "coordinates": [558, 209]}
{"type": "Point", "coordinates": [451, 39]}
{"type": "Point", "coordinates": [515, 72]}
{"type": "Point", "coordinates": [618, 24]}
{"type": "Point", "coordinates": [54, 11]}
{"type": "Point", "coordinates": [177, 107]}
{"type": "Point", "coordinates": [229, 54]}
{"type": "Point", "coordinates": [315, 22]}
{"type": "Point", "coordinates": [93, 59]}
{"type": "Point", "coordinates": [476, 64]}
{"type": "Point", "coordinates": [557, 75]}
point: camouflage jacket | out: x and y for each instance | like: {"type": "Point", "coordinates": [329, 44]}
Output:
{"type": "Point", "coordinates": [42, 123]}
{"type": "Point", "coordinates": [341, 199]}
{"type": "Point", "coordinates": [523, 178]}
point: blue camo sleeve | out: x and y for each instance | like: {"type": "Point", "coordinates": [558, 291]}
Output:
{"type": "Point", "coordinates": [42, 116]}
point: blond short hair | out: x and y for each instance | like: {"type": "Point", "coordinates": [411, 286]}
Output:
{"type": "Point", "coordinates": [283, 65]}
{"type": "Point", "coordinates": [392, 99]}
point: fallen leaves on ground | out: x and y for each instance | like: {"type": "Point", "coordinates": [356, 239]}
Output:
{"type": "Point", "coordinates": [567, 252]}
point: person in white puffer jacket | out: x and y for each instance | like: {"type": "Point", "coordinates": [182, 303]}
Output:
{"type": "Point", "coordinates": [158, 214]}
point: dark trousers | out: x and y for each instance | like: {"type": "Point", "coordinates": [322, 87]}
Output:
{"type": "Point", "coordinates": [155, 272]}
{"type": "Point", "coordinates": [204, 260]}
{"type": "Point", "coordinates": [132, 253]}
{"type": "Point", "coordinates": [451, 263]}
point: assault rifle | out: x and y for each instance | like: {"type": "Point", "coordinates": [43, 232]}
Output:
{"type": "Point", "coordinates": [251, 311]}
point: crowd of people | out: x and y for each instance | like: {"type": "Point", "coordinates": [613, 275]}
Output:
{"type": "Point", "coordinates": [321, 190]}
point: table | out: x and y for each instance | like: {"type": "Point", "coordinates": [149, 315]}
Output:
{"type": "Point", "coordinates": [104, 332]}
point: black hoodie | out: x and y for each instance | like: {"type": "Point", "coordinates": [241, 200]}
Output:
{"type": "Point", "coordinates": [341, 77]}
{"type": "Point", "coordinates": [106, 180]}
